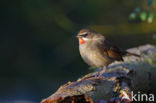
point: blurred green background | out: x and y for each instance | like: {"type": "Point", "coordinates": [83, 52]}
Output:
{"type": "Point", "coordinates": [38, 48]}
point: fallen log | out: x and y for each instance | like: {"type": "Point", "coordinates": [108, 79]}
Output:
{"type": "Point", "coordinates": [121, 79]}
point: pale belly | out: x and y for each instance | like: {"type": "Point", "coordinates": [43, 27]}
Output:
{"type": "Point", "coordinates": [94, 58]}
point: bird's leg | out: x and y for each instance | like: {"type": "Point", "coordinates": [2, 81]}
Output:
{"type": "Point", "coordinates": [104, 69]}
{"type": "Point", "coordinates": [101, 71]}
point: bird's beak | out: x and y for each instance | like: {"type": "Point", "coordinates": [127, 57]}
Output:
{"type": "Point", "coordinates": [78, 36]}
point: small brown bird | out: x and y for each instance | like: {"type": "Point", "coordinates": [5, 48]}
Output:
{"type": "Point", "coordinates": [97, 51]}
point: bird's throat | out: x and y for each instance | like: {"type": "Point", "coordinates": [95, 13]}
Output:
{"type": "Point", "coordinates": [81, 41]}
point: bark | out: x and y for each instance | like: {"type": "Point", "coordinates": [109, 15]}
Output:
{"type": "Point", "coordinates": [134, 74]}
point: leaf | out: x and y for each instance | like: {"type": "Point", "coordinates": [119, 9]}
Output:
{"type": "Point", "coordinates": [143, 16]}
{"type": "Point", "coordinates": [132, 15]}
{"type": "Point", "coordinates": [150, 18]}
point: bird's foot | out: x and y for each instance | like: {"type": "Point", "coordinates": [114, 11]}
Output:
{"type": "Point", "coordinates": [100, 72]}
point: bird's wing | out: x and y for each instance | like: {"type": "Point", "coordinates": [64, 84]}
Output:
{"type": "Point", "coordinates": [115, 53]}
{"type": "Point", "coordinates": [111, 51]}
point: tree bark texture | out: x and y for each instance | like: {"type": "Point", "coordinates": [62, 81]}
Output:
{"type": "Point", "coordinates": [134, 74]}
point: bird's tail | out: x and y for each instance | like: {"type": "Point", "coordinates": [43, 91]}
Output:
{"type": "Point", "coordinates": [132, 54]}
{"type": "Point", "coordinates": [123, 52]}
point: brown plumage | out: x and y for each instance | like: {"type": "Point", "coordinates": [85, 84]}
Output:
{"type": "Point", "coordinates": [97, 51]}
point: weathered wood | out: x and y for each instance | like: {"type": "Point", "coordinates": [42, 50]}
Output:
{"type": "Point", "coordinates": [134, 74]}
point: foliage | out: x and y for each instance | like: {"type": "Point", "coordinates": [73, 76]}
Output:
{"type": "Point", "coordinates": [145, 13]}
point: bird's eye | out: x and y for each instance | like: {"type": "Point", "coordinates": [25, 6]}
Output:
{"type": "Point", "coordinates": [84, 35]}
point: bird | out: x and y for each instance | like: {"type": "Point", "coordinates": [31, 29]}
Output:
{"type": "Point", "coordinates": [97, 51]}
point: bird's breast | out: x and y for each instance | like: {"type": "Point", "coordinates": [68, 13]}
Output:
{"type": "Point", "coordinates": [93, 57]}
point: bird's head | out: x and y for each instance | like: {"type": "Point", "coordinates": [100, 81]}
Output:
{"type": "Point", "coordinates": [86, 35]}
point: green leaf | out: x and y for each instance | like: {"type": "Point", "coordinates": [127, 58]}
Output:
{"type": "Point", "coordinates": [143, 16]}
{"type": "Point", "coordinates": [150, 18]}
{"type": "Point", "coordinates": [132, 15]}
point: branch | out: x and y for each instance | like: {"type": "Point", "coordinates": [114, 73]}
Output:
{"type": "Point", "coordinates": [119, 80]}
